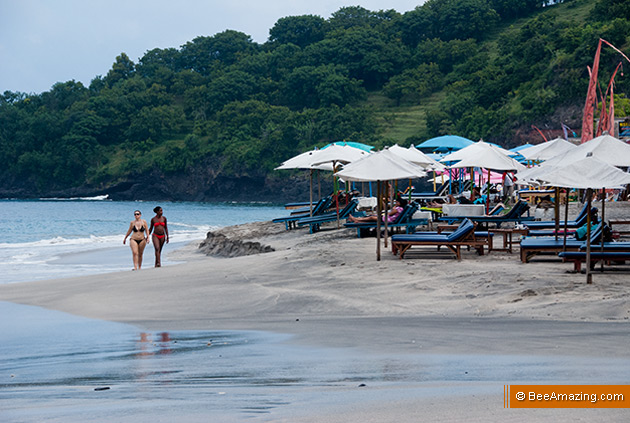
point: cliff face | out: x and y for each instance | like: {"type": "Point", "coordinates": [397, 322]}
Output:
{"type": "Point", "coordinates": [195, 185]}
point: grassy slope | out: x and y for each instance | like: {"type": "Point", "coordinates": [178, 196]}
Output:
{"type": "Point", "coordinates": [398, 123]}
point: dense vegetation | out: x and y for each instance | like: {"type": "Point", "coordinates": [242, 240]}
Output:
{"type": "Point", "coordinates": [225, 106]}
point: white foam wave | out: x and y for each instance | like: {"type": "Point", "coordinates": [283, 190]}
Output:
{"type": "Point", "coordinates": [95, 198]}
{"type": "Point", "coordinates": [61, 241]}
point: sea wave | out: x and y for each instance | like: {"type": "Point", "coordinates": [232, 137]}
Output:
{"type": "Point", "coordinates": [95, 198]}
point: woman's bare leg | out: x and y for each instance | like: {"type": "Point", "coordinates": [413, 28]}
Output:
{"type": "Point", "coordinates": [141, 252]}
{"type": "Point", "coordinates": [134, 251]}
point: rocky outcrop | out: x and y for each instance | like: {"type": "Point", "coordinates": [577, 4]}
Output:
{"type": "Point", "coordinates": [220, 245]}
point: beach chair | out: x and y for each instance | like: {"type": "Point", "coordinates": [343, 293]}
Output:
{"type": "Point", "coordinates": [315, 222]}
{"type": "Point", "coordinates": [464, 236]}
{"type": "Point", "coordinates": [514, 215]}
{"type": "Point", "coordinates": [404, 220]}
{"type": "Point", "coordinates": [532, 246]}
{"type": "Point", "coordinates": [619, 255]}
{"type": "Point", "coordinates": [319, 208]}
{"type": "Point", "coordinates": [580, 220]}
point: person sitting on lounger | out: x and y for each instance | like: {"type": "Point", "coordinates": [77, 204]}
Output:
{"type": "Point", "coordinates": [391, 216]}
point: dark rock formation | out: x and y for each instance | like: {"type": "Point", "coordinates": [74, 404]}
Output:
{"type": "Point", "coordinates": [222, 246]}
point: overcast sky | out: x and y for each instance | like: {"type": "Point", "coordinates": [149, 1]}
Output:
{"type": "Point", "coordinates": [47, 41]}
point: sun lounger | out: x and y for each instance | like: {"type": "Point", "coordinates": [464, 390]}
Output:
{"type": "Point", "coordinates": [405, 220]}
{"type": "Point", "coordinates": [319, 208]}
{"type": "Point", "coordinates": [315, 222]}
{"type": "Point", "coordinates": [514, 215]}
{"type": "Point", "coordinates": [580, 220]}
{"type": "Point", "coordinates": [579, 257]}
{"type": "Point", "coordinates": [464, 236]}
{"type": "Point", "coordinates": [532, 246]}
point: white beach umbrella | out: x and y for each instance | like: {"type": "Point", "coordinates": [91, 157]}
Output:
{"type": "Point", "coordinates": [477, 149]}
{"type": "Point", "coordinates": [304, 161]}
{"type": "Point", "coordinates": [547, 150]}
{"type": "Point", "coordinates": [606, 148]}
{"type": "Point", "coordinates": [381, 166]}
{"type": "Point", "coordinates": [587, 173]}
{"type": "Point", "coordinates": [417, 157]}
{"type": "Point", "coordinates": [338, 154]}
{"type": "Point", "coordinates": [489, 158]}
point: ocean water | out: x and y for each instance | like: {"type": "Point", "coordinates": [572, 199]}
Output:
{"type": "Point", "coordinates": [56, 238]}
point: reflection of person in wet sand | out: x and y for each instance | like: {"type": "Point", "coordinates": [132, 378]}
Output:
{"type": "Point", "coordinates": [159, 228]}
{"type": "Point", "coordinates": [139, 238]}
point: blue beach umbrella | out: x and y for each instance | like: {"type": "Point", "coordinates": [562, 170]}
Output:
{"type": "Point", "coordinates": [445, 143]}
{"type": "Point", "coordinates": [354, 144]}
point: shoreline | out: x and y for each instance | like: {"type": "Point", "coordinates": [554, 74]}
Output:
{"type": "Point", "coordinates": [327, 290]}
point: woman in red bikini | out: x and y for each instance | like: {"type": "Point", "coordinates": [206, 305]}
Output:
{"type": "Point", "coordinates": [139, 238]}
{"type": "Point", "coordinates": [159, 228]}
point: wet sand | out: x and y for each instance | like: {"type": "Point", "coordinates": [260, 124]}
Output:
{"type": "Point", "coordinates": [328, 291]}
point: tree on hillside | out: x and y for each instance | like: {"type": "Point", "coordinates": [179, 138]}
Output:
{"type": "Point", "coordinates": [298, 30]}
{"type": "Point", "coordinates": [205, 54]}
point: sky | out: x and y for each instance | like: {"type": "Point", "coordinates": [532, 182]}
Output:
{"type": "Point", "coordinates": [43, 42]}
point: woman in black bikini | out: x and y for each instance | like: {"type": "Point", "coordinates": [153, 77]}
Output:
{"type": "Point", "coordinates": [160, 234]}
{"type": "Point", "coordinates": [139, 238]}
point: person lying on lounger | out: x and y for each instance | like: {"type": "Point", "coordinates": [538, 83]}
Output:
{"type": "Point", "coordinates": [392, 215]}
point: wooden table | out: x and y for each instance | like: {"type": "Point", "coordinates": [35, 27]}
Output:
{"type": "Point", "coordinates": [620, 222]}
{"type": "Point", "coordinates": [508, 237]}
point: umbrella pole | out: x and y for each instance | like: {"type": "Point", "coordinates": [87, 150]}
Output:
{"type": "Point", "coordinates": [378, 220]}
{"type": "Point", "coordinates": [335, 190]}
{"type": "Point", "coordinates": [311, 190]}
{"type": "Point", "coordinates": [386, 214]}
{"type": "Point", "coordinates": [566, 218]}
{"type": "Point", "coordinates": [488, 194]}
{"type": "Point", "coordinates": [602, 223]}
{"type": "Point", "coordinates": [556, 211]}
{"type": "Point", "coordinates": [589, 276]}
{"type": "Point", "coordinates": [319, 186]}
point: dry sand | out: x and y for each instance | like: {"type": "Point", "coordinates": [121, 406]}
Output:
{"type": "Point", "coordinates": [328, 290]}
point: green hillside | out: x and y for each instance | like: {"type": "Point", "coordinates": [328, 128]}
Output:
{"type": "Point", "coordinates": [211, 119]}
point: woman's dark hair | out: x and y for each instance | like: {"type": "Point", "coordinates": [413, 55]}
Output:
{"type": "Point", "coordinates": [156, 209]}
{"type": "Point", "coordinates": [402, 201]}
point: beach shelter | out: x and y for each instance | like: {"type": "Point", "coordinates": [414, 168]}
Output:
{"type": "Point", "coordinates": [304, 161]}
{"type": "Point", "coordinates": [547, 150]}
{"type": "Point", "coordinates": [359, 145]}
{"type": "Point", "coordinates": [606, 148]}
{"type": "Point", "coordinates": [380, 167]}
{"type": "Point", "coordinates": [476, 151]}
{"type": "Point", "coordinates": [587, 173]}
{"type": "Point", "coordinates": [445, 143]}
{"type": "Point", "coordinates": [338, 154]}
{"type": "Point", "coordinates": [486, 156]}
{"type": "Point", "coordinates": [417, 157]}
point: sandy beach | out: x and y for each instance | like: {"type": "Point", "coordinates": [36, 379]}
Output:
{"type": "Point", "coordinates": [328, 290]}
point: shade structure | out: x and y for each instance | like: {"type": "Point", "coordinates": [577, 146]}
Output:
{"type": "Point", "coordinates": [381, 166]}
{"type": "Point", "coordinates": [547, 150]}
{"type": "Point", "coordinates": [417, 157]}
{"type": "Point", "coordinates": [606, 148]}
{"type": "Point", "coordinates": [304, 161]}
{"type": "Point", "coordinates": [476, 151]}
{"type": "Point", "coordinates": [338, 154]}
{"type": "Point", "coordinates": [486, 156]}
{"type": "Point", "coordinates": [354, 144]}
{"type": "Point", "coordinates": [589, 172]}
{"type": "Point", "coordinates": [445, 143]}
